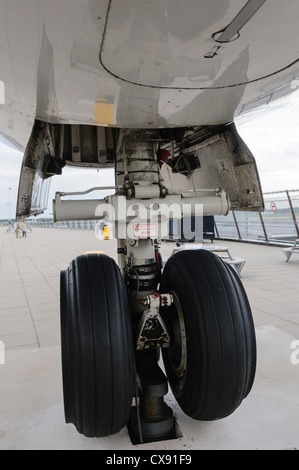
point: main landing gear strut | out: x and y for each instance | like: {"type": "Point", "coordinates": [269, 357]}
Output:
{"type": "Point", "coordinates": [115, 319]}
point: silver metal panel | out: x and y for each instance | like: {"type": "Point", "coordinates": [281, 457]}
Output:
{"type": "Point", "coordinates": [49, 62]}
{"type": "Point", "coordinates": [144, 42]}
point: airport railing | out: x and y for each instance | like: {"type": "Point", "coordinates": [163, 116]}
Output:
{"type": "Point", "coordinates": [71, 225]}
{"type": "Point", "coordinates": [278, 223]}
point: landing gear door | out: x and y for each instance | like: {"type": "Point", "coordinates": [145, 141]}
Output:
{"type": "Point", "coordinates": [220, 160]}
{"type": "Point", "coordinates": [50, 148]}
{"type": "Point", "coordinates": [39, 164]}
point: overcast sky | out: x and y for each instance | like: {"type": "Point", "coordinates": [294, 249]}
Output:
{"type": "Point", "coordinates": [271, 134]}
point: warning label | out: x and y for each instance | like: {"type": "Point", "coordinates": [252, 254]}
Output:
{"type": "Point", "coordinates": [145, 231]}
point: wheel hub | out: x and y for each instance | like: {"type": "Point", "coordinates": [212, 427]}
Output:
{"type": "Point", "coordinates": [177, 350]}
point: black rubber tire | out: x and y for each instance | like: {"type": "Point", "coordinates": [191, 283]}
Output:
{"type": "Point", "coordinates": [159, 266]}
{"type": "Point", "coordinates": [220, 362]}
{"type": "Point", "coordinates": [97, 346]}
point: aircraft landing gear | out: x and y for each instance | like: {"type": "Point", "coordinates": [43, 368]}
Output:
{"type": "Point", "coordinates": [201, 318]}
{"type": "Point", "coordinates": [97, 346]}
{"type": "Point", "coordinates": [211, 361]}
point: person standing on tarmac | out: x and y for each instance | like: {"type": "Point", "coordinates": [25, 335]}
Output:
{"type": "Point", "coordinates": [18, 230]}
{"type": "Point", "coordinates": [24, 229]}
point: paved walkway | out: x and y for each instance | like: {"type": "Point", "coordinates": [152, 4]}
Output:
{"type": "Point", "coordinates": [31, 406]}
{"type": "Point", "coordinates": [29, 283]}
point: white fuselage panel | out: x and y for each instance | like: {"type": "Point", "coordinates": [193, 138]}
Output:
{"type": "Point", "coordinates": [139, 63]}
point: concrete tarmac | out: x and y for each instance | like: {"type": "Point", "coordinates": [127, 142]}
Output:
{"type": "Point", "coordinates": [31, 391]}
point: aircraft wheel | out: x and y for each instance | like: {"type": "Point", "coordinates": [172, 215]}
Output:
{"type": "Point", "coordinates": [211, 361]}
{"type": "Point", "coordinates": [97, 346]}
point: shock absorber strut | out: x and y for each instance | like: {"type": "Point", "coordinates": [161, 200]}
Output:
{"type": "Point", "coordinates": [154, 419]}
{"type": "Point", "coordinates": [151, 419]}
{"type": "Point", "coordinates": [138, 172]}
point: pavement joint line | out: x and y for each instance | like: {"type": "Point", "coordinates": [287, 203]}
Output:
{"type": "Point", "coordinates": [278, 316]}
{"type": "Point", "coordinates": [33, 323]}
{"type": "Point", "coordinates": [42, 274]}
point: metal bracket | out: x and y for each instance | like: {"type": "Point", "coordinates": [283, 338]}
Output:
{"type": "Point", "coordinates": [152, 331]}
